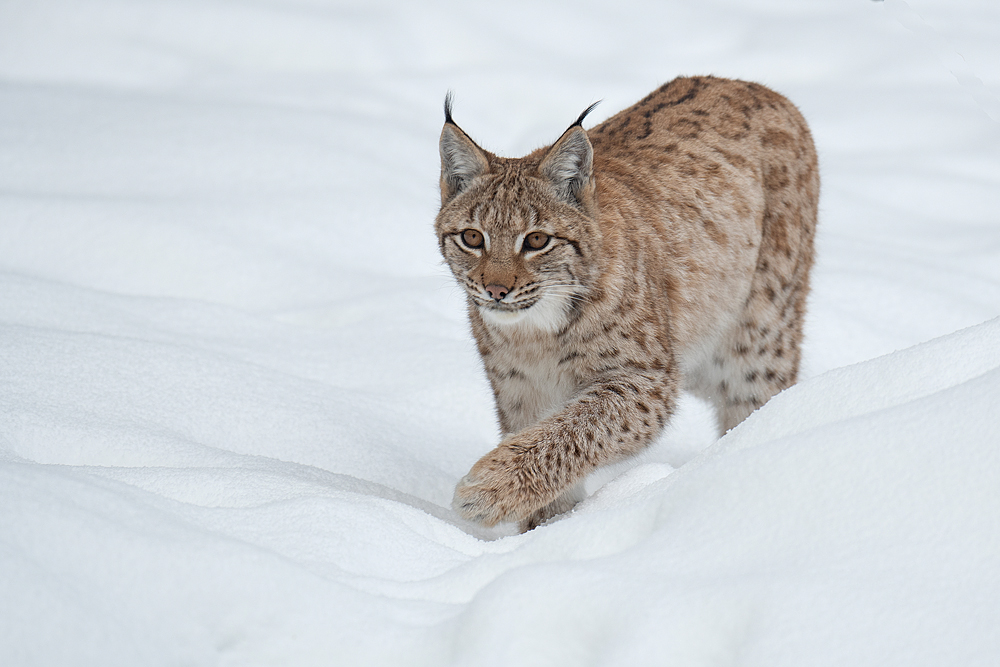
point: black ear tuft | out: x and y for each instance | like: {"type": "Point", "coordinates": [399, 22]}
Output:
{"type": "Point", "coordinates": [447, 107]}
{"type": "Point", "coordinates": [586, 112]}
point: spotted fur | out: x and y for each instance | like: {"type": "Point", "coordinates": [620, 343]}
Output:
{"type": "Point", "coordinates": [680, 238]}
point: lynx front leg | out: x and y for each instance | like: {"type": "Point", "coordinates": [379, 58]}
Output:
{"type": "Point", "coordinates": [530, 470]}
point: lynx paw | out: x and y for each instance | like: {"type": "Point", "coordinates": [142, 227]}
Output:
{"type": "Point", "coordinates": [560, 505]}
{"type": "Point", "coordinates": [499, 488]}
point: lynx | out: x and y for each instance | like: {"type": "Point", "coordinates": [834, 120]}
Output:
{"type": "Point", "coordinates": [666, 249]}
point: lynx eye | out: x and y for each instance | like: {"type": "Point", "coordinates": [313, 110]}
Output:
{"type": "Point", "coordinates": [472, 238]}
{"type": "Point", "coordinates": [536, 241]}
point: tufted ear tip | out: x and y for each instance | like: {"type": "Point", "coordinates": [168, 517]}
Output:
{"type": "Point", "coordinates": [448, 99]}
{"type": "Point", "coordinates": [586, 112]}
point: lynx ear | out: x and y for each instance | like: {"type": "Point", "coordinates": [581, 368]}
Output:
{"type": "Point", "coordinates": [569, 164]}
{"type": "Point", "coordinates": [461, 159]}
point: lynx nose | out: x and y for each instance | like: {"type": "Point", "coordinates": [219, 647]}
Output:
{"type": "Point", "coordinates": [498, 292]}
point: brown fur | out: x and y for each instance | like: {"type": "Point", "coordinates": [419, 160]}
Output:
{"type": "Point", "coordinates": [681, 241]}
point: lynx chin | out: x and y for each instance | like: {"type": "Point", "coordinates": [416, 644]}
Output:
{"type": "Point", "coordinates": [668, 248]}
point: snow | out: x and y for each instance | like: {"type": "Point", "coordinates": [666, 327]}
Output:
{"type": "Point", "coordinates": [237, 387]}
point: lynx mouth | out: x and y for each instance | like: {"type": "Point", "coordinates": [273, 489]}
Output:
{"type": "Point", "coordinates": [540, 312]}
{"type": "Point", "coordinates": [501, 307]}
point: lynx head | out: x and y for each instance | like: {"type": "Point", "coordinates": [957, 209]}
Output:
{"type": "Point", "coordinates": [519, 234]}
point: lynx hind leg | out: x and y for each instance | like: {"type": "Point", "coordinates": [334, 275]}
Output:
{"type": "Point", "coordinates": [760, 356]}
{"type": "Point", "coordinates": [563, 503]}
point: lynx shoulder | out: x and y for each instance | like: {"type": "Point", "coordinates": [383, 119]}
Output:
{"type": "Point", "coordinates": [667, 248]}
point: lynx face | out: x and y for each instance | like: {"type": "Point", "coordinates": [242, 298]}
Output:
{"type": "Point", "coordinates": [518, 234]}
{"type": "Point", "coordinates": [519, 264]}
